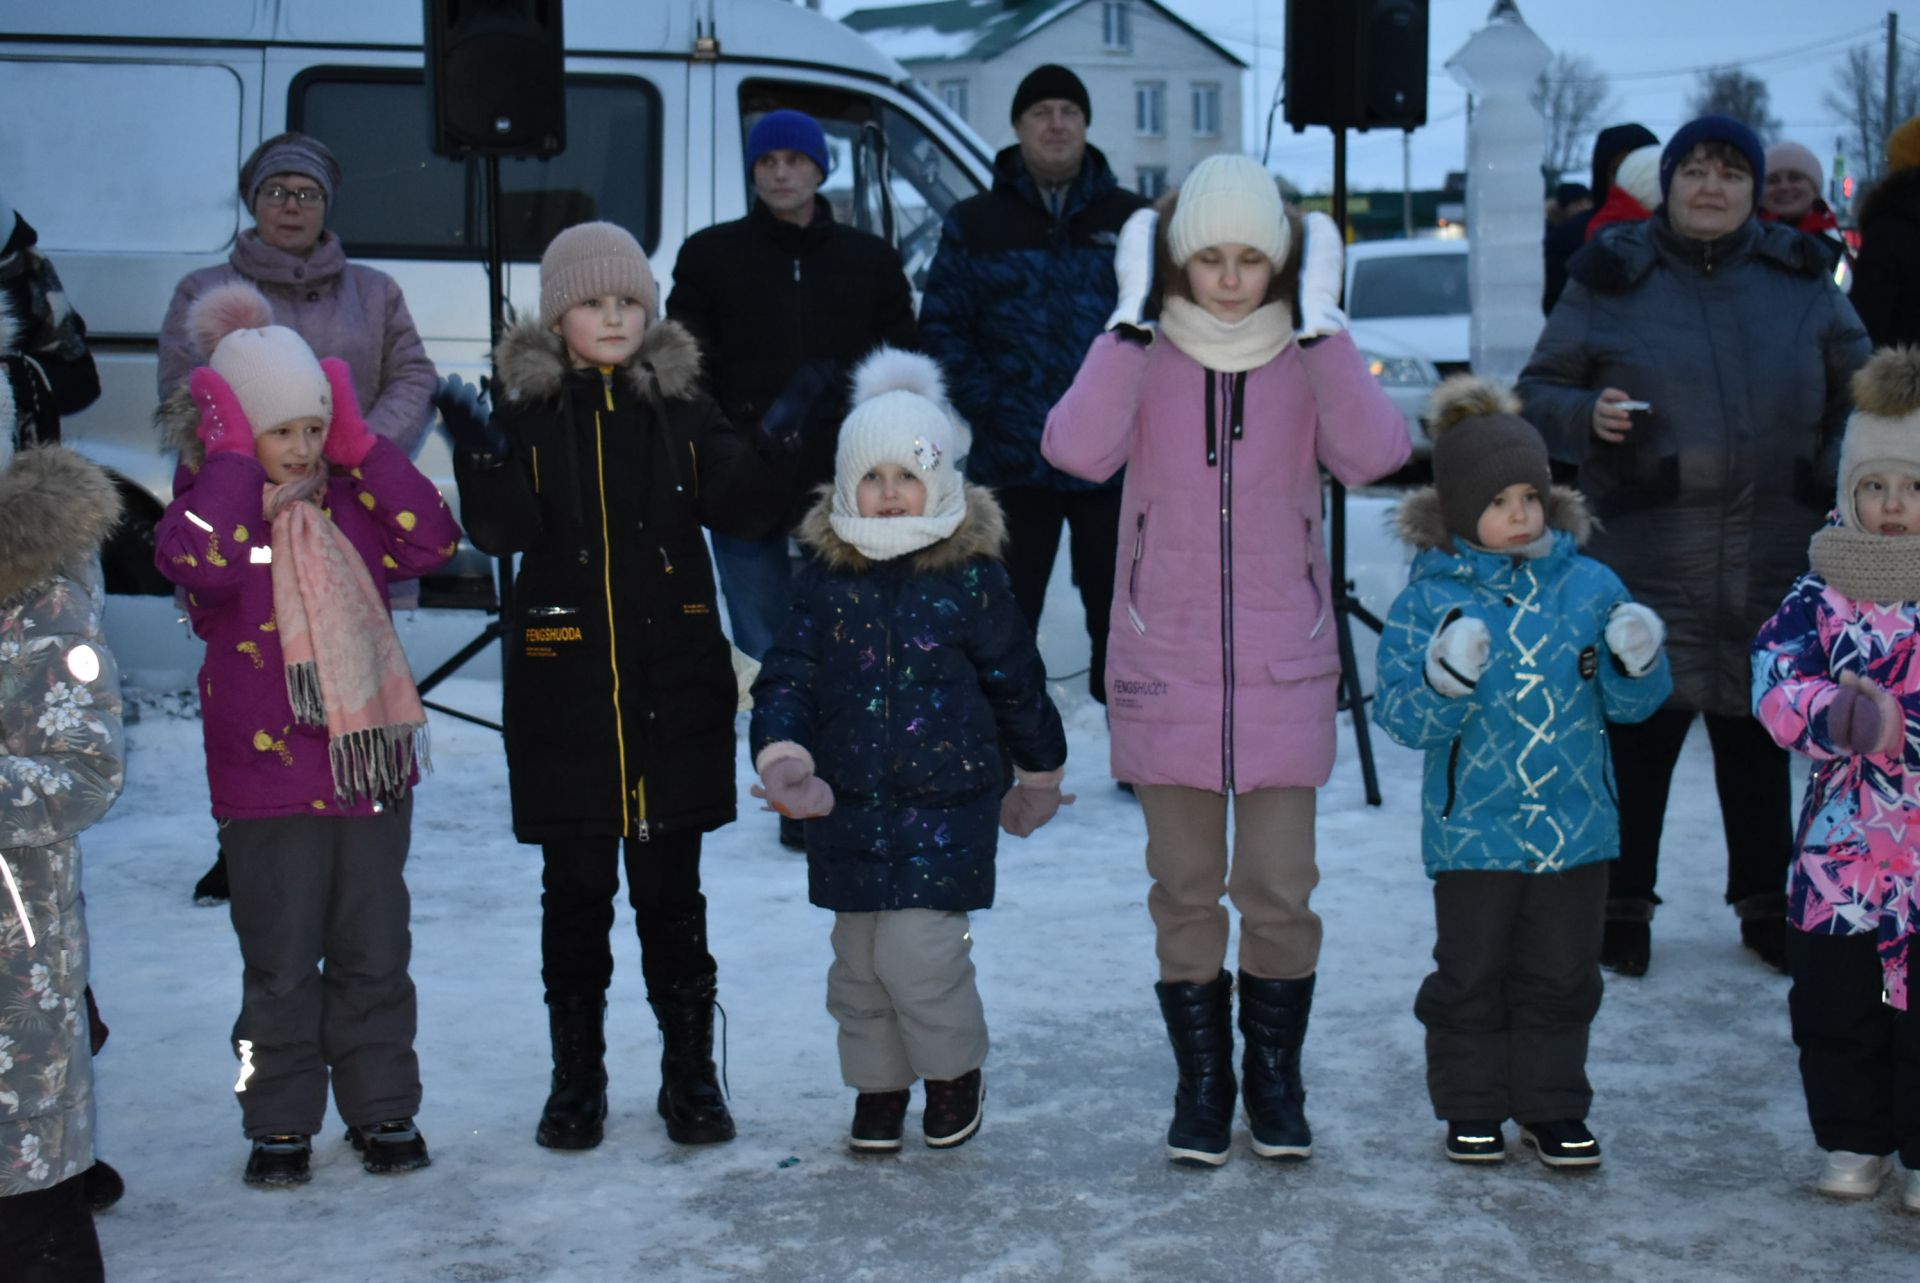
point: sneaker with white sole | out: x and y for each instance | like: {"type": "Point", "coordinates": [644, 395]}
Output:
{"type": "Point", "coordinates": [1563, 1142]}
{"type": "Point", "coordinates": [1851, 1175]}
{"type": "Point", "coordinates": [1476, 1142]}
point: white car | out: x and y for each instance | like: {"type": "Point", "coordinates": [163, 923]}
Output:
{"type": "Point", "coordinates": [1408, 312]}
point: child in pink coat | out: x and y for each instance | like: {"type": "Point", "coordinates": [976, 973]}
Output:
{"type": "Point", "coordinates": [1222, 663]}
{"type": "Point", "coordinates": [1836, 676]}
{"type": "Point", "coordinates": [289, 518]}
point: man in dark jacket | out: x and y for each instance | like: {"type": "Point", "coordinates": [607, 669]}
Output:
{"type": "Point", "coordinates": [1570, 233]}
{"type": "Point", "coordinates": [782, 303]}
{"type": "Point", "coordinates": [1886, 280]}
{"type": "Point", "coordinates": [1022, 284]}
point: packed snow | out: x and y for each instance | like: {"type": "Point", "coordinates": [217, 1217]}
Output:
{"type": "Point", "coordinates": [1708, 1155]}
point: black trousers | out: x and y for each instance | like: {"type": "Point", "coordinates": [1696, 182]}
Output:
{"type": "Point", "coordinates": [579, 879]}
{"type": "Point", "coordinates": [47, 1236]}
{"type": "Point", "coordinates": [1859, 1057]}
{"type": "Point", "coordinates": [1750, 773]}
{"type": "Point", "coordinates": [1034, 517]}
{"type": "Point", "coordinates": [1514, 989]}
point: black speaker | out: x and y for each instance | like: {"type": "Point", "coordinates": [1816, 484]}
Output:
{"type": "Point", "coordinates": [1356, 64]}
{"type": "Point", "coordinates": [496, 75]}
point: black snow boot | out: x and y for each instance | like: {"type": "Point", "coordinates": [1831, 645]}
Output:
{"type": "Point", "coordinates": [575, 1114]}
{"type": "Point", "coordinates": [1273, 1021]}
{"type": "Point", "coordinates": [690, 1097]}
{"type": "Point", "coordinates": [1200, 1024]}
{"type": "Point", "coordinates": [1763, 927]}
{"type": "Point", "coordinates": [390, 1147]}
{"type": "Point", "coordinates": [211, 889]}
{"type": "Point", "coordinates": [1626, 943]}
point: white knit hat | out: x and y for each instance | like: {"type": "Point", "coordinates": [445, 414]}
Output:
{"type": "Point", "coordinates": [900, 416]}
{"type": "Point", "coordinates": [1229, 200]}
{"type": "Point", "coordinates": [1639, 174]}
{"type": "Point", "coordinates": [271, 370]}
{"type": "Point", "coordinates": [1883, 433]}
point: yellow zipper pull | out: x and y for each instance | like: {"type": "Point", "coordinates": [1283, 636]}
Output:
{"type": "Point", "coordinates": [606, 383]}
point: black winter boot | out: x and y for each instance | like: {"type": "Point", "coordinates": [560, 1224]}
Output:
{"type": "Point", "coordinates": [1763, 927]}
{"type": "Point", "coordinates": [1273, 1021]}
{"type": "Point", "coordinates": [575, 1114]}
{"type": "Point", "coordinates": [211, 889]}
{"type": "Point", "coordinates": [690, 1098]}
{"type": "Point", "coordinates": [1626, 945]}
{"type": "Point", "coordinates": [1200, 1024]}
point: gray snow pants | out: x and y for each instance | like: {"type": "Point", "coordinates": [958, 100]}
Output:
{"type": "Point", "coordinates": [1515, 986]}
{"type": "Point", "coordinates": [1272, 879]}
{"type": "Point", "coordinates": [321, 909]}
{"type": "Point", "coordinates": [901, 986]}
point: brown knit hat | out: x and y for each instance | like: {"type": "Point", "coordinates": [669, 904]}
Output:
{"type": "Point", "coordinates": [592, 260]}
{"type": "Point", "coordinates": [1903, 146]}
{"type": "Point", "coordinates": [1481, 446]}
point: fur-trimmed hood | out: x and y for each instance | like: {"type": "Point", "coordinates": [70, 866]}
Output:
{"type": "Point", "coordinates": [532, 364]}
{"type": "Point", "coordinates": [981, 533]}
{"type": "Point", "coordinates": [1419, 523]}
{"type": "Point", "coordinates": [1617, 261]}
{"type": "Point", "coordinates": [55, 508]}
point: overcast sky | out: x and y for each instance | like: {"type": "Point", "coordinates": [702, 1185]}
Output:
{"type": "Point", "coordinates": [1651, 48]}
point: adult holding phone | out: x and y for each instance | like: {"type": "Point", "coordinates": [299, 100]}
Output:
{"type": "Point", "coordinates": [1706, 444]}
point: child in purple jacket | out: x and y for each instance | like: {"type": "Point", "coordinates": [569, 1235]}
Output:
{"type": "Point", "coordinates": [289, 517]}
{"type": "Point", "coordinates": [1221, 662]}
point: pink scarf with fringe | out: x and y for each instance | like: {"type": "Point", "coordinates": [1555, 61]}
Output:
{"type": "Point", "coordinates": [345, 668]}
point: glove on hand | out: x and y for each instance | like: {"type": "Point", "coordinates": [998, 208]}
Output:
{"type": "Point", "coordinates": [815, 399]}
{"type": "Point", "coordinates": [1458, 656]}
{"type": "Point", "coordinates": [1033, 800]}
{"type": "Point", "coordinates": [463, 408]}
{"type": "Point", "coordinates": [791, 788]}
{"type": "Point", "coordinates": [223, 424]}
{"type": "Point", "coordinates": [1322, 264]}
{"type": "Point", "coordinates": [1634, 634]}
{"type": "Point", "coordinates": [1864, 719]}
{"type": "Point", "coordinates": [1133, 273]}
{"type": "Point", "coordinates": [349, 439]}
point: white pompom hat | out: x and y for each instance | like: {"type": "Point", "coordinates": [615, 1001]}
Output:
{"type": "Point", "coordinates": [272, 371]}
{"type": "Point", "coordinates": [1229, 200]}
{"type": "Point", "coordinates": [1639, 174]}
{"type": "Point", "coordinates": [900, 416]}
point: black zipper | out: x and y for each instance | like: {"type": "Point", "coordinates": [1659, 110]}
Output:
{"type": "Point", "coordinates": [1453, 760]}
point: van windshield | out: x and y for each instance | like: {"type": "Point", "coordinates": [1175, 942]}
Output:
{"type": "Point", "coordinates": [400, 200]}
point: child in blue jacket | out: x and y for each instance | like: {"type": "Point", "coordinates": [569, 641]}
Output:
{"type": "Point", "coordinates": [1504, 658]}
{"type": "Point", "coordinates": [904, 671]}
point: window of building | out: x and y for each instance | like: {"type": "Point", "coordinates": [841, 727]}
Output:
{"type": "Point", "coordinates": [1206, 111]}
{"type": "Point", "coordinates": [1150, 108]}
{"type": "Point", "coordinates": [954, 94]}
{"type": "Point", "coordinates": [1116, 25]}
{"type": "Point", "coordinates": [421, 205]}
{"type": "Point", "coordinates": [1150, 181]}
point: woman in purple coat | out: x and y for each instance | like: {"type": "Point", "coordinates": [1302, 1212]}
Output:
{"type": "Point", "coordinates": [289, 516]}
{"type": "Point", "coordinates": [1222, 665]}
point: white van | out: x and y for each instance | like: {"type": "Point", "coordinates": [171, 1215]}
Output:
{"type": "Point", "coordinates": [127, 120]}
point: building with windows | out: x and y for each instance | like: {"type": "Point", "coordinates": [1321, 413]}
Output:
{"type": "Point", "coordinates": [1164, 96]}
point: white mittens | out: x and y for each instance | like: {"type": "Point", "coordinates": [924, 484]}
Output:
{"type": "Point", "coordinates": [1634, 634]}
{"type": "Point", "coordinates": [1458, 656]}
{"type": "Point", "coordinates": [1133, 270]}
{"type": "Point", "coordinates": [1321, 267]}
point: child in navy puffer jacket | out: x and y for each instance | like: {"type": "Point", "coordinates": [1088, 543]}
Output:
{"type": "Point", "coordinates": [904, 668]}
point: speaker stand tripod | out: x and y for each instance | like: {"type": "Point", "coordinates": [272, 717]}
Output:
{"type": "Point", "coordinates": [1346, 608]}
{"type": "Point", "coordinates": [496, 627]}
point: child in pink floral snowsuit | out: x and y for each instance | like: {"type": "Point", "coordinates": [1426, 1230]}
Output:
{"type": "Point", "coordinates": [1836, 676]}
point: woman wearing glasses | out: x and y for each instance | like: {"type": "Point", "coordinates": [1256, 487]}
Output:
{"type": "Point", "coordinates": [341, 309]}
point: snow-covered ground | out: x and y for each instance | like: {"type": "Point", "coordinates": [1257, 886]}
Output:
{"type": "Point", "coordinates": [1708, 1156]}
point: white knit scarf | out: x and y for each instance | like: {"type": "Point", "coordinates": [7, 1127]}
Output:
{"type": "Point", "coordinates": [884, 538]}
{"type": "Point", "coordinates": [1246, 344]}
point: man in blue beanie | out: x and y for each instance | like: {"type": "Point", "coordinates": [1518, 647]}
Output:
{"type": "Point", "coordinates": [783, 303]}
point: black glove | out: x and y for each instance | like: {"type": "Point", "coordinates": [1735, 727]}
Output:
{"type": "Point", "coordinates": [463, 408]}
{"type": "Point", "coordinates": [814, 400]}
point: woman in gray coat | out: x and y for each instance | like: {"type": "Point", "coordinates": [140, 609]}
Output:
{"type": "Point", "coordinates": [1696, 373]}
